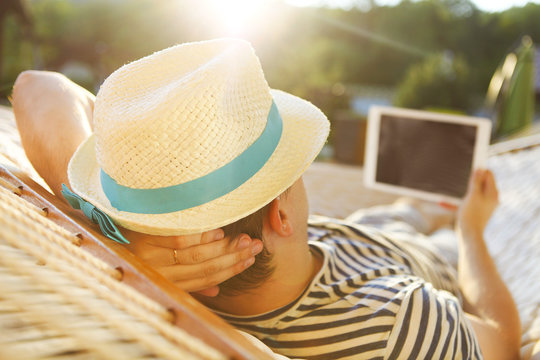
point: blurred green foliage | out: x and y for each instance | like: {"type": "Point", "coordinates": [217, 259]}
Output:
{"type": "Point", "coordinates": [305, 51]}
{"type": "Point", "coordinates": [515, 111]}
{"type": "Point", "coordinates": [441, 81]}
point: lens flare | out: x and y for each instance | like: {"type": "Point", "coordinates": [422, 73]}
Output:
{"type": "Point", "coordinates": [233, 16]}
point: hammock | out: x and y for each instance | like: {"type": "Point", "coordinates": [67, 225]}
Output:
{"type": "Point", "coordinates": [66, 292]}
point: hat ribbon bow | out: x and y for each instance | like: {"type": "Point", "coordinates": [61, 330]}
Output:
{"type": "Point", "coordinates": [97, 216]}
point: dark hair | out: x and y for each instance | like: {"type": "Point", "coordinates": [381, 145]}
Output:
{"type": "Point", "coordinates": [262, 269]}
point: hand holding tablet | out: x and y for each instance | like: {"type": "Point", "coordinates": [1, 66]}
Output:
{"type": "Point", "coordinates": [424, 154]}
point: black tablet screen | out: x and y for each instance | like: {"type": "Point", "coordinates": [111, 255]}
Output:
{"type": "Point", "coordinates": [425, 155]}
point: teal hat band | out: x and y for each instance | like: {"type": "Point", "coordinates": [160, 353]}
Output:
{"type": "Point", "coordinates": [201, 190]}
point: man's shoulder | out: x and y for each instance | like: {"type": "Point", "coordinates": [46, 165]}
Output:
{"type": "Point", "coordinates": [322, 226]}
{"type": "Point", "coordinates": [333, 231]}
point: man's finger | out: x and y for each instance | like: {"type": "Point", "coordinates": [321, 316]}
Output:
{"type": "Point", "coordinates": [491, 185]}
{"type": "Point", "coordinates": [211, 267]}
{"type": "Point", "coordinates": [210, 292]}
{"type": "Point", "coordinates": [216, 278]}
{"type": "Point", "coordinates": [448, 206]}
{"type": "Point", "coordinates": [477, 179]}
{"type": "Point", "coordinates": [201, 253]}
{"type": "Point", "coordinates": [186, 241]}
{"type": "Point", "coordinates": [212, 235]}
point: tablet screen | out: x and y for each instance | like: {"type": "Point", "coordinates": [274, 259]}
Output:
{"type": "Point", "coordinates": [424, 154]}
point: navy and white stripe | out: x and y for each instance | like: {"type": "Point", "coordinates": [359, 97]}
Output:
{"type": "Point", "coordinates": [372, 299]}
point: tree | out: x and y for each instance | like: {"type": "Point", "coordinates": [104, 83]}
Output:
{"type": "Point", "coordinates": [441, 81]}
{"type": "Point", "coordinates": [19, 10]}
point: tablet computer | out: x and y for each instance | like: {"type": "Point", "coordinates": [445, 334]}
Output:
{"type": "Point", "coordinates": [424, 154]}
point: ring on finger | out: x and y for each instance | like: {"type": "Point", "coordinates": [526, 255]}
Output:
{"type": "Point", "coordinates": [175, 255]}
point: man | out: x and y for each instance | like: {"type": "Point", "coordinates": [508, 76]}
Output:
{"type": "Point", "coordinates": [54, 117]}
{"type": "Point", "coordinates": [191, 138]}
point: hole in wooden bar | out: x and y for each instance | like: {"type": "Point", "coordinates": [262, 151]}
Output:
{"type": "Point", "coordinates": [76, 239]}
{"type": "Point", "coordinates": [17, 190]}
{"type": "Point", "coordinates": [41, 262]}
{"type": "Point", "coordinates": [170, 316]}
{"type": "Point", "coordinates": [42, 211]}
{"type": "Point", "coordinates": [119, 273]}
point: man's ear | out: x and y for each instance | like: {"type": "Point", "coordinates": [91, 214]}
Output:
{"type": "Point", "coordinates": [278, 219]}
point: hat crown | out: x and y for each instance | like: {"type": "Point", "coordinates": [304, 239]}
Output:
{"type": "Point", "coordinates": [180, 113]}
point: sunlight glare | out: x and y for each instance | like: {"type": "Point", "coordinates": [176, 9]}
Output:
{"type": "Point", "coordinates": [236, 14]}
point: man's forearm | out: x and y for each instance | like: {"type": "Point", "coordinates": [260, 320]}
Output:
{"type": "Point", "coordinates": [53, 115]}
{"type": "Point", "coordinates": [487, 297]}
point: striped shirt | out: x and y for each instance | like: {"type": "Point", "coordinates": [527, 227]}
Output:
{"type": "Point", "coordinates": [374, 298]}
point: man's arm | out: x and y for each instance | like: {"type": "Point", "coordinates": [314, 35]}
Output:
{"type": "Point", "coordinates": [53, 115]}
{"type": "Point", "coordinates": [490, 307]}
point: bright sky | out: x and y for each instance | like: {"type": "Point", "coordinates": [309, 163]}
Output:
{"type": "Point", "coordinates": [485, 5]}
{"type": "Point", "coordinates": [235, 16]}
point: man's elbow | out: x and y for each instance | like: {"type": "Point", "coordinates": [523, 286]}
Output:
{"type": "Point", "coordinates": [32, 83]}
{"type": "Point", "coordinates": [28, 79]}
{"type": "Point", "coordinates": [32, 92]}
{"type": "Point", "coordinates": [514, 348]}
{"type": "Point", "coordinates": [510, 342]}
{"type": "Point", "coordinates": [497, 339]}
{"type": "Point", "coordinates": [26, 87]}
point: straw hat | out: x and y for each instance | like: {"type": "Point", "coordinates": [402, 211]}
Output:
{"type": "Point", "coordinates": [191, 138]}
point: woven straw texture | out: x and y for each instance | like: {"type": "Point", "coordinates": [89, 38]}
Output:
{"type": "Point", "coordinates": [180, 114]}
{"type": "Point", "coordinates": [59, 302]}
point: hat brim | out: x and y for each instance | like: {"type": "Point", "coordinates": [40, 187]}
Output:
{"type": "Point", "coordinates": [305, 129]}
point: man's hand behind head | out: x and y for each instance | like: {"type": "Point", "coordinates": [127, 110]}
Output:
{"type": "Point", "coordinates": [198, 262]}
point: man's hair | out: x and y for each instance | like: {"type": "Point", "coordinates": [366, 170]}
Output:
{"type": "Point", "coordinates": [262, 269]}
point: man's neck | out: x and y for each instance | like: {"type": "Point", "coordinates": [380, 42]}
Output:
{"type": "Point", "coordinates": [291, 276]}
